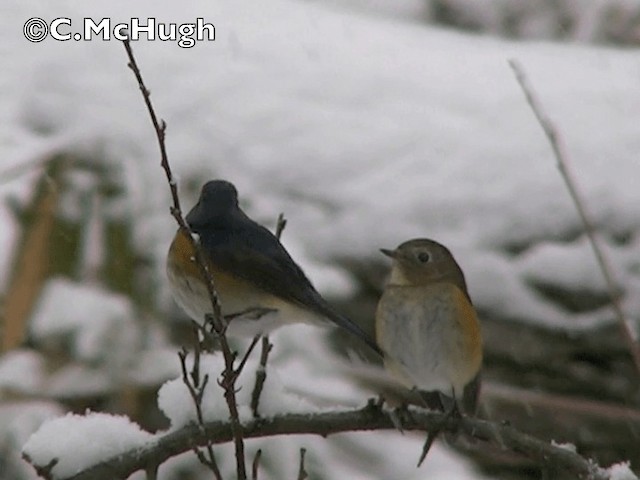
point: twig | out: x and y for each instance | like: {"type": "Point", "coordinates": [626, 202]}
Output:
{"type": "Point", "coordinates": [368, 418]}
{"type": "Point", "coordinates": [256, 464]}
{"type": "Point", "coordinates": [43, 471]}
{"type": "Point", "coordinates": [151, 472]}
{"type": "Point", "coordinates": [243, 362]}
{"type": "Point", "coordinates": [281, 223]}
{"type": "Point", "coordinates": [561, 159]}
{"type": "Point", "coordinates": [195, 370]}
{"type": "Point", "coordinates": [196, 390]}
{"type": "Point", "coordinates": [261, 376]}
{"type": "Point", "coordinates": [261, 372]}
{"type": "Point", "coordinates": [302, 473]}
{"type": "Point", "coordinates": [228, 375]}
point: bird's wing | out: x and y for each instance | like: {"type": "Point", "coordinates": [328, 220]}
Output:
{"type": "Point", "coordinates": [251, 253]}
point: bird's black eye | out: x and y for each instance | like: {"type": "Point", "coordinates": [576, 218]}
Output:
{"type": "Point", "coordinates": [423, 257]}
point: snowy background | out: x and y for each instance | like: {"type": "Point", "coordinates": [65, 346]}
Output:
{"type": "Point", "coordinates": [364, 125]}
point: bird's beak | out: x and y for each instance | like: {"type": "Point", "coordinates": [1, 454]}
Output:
{"type": "Point", "coordinates": [388, 253]}
{"type": "Point", "coordinates": [193, 214]}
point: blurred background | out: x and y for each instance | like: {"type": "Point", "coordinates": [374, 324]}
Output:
{"type": "Point", "coordinates": [366, 123]}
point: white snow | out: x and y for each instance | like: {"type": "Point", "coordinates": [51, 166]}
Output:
{"type": "Point", "coordinates": [77, 380]}
{"type": "Point", "coordinates": [99, 321]}
{"type": "Point", "coordinates": [18, 421]}
{"type": "Point", "coordinates": [621, 471]}
{"type": "Point", "coordinates": [21, 371]}
{"type": "Point", "coordinates": [91, 438]}
{"type": "Point", "coordinates": [365, 130]}
{"type": "Point", "coordinates": [154, 366]}
{"type": "Point", "coordinates": [176, 402]}
{"type": "Point", "coordinates": [565, 446]}
{"type": "Point", "coordinates": [21, 419]}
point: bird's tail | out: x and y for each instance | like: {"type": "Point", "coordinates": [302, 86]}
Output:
{"type": "Point", "coordinates": [348, 325]}
{"type": "Point", "coordinates": [355, 329]}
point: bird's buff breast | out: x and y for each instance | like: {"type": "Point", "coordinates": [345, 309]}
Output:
{"type": "Point", "coordinates": [235, 295]}
{"type": "Point", "coordinates": [431, 335]}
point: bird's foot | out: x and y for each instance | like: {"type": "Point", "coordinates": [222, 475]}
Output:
{"type": "Point", "coordinates": [400, 415]}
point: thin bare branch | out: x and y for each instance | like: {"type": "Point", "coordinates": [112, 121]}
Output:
{"type": "Point", "coordinates": [219, 323]}
{"type": "Point", "coordinates": [280, 225]}
{"type": "Point", "coordinates": [195, 369]}
{"type": "Point", "coordinates": [302, 473]}
{"type": "Point", "coordinates": [151, 472]}
{"type": "Point", "coordinates": [243, 362]}
{"type": "Point", "coordinates": [561, 156]}
{"type": "Point", "coordinates": [43, 471]}
{"type": "Point", "coordinates": [261, 372]}
{"type": "Point", "coordinates": [196, 390]}
{"type": "Point", "coordinates": [255, 466]}
{"type": "Point", "coordinates": [261, 376]}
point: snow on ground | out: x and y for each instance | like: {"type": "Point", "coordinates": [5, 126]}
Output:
{"type": "Point", "coordinates": [64, 307]}
{"type": "Point", "coordinates": [621, 471]}
{"type": "Point", "coordinates": [365, 130]}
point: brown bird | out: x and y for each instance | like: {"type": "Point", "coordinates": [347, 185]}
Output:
{"type": "Point", "coordinates": [428, 329]}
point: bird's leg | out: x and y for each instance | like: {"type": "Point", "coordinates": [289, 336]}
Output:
{"type": "Point", "coordinates": [402, 411]}
{"type": "Point", "coordinates": [378, 404]}
{"type": "Point", "coordinates": [432, 400]}
{"type": "Point", "coordinates": [452, 412]}
{"type": "Point", "coordinates": [395, 419]}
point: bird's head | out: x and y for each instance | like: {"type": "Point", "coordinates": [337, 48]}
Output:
{"type": "Point", "coordinates": [422, 261]}
{"type": "Point", "coordinates": [217, 199]}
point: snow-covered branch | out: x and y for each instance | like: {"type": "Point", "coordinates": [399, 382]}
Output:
{"type": "Point", "coordinates": [479, 433]}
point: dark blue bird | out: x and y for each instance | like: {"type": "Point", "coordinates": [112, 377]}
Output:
{"type": "Point", "coordinates": [251, 271]}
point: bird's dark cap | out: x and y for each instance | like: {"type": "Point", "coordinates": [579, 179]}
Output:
{"type": "Point", "coordinates": [219, 191]}
{"type": "Point", "coordinates": [216, 198]}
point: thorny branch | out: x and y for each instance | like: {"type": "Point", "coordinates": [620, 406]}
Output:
{"type": "Point", "coordinates": [561, 156]}
{"type": "Point", "coordinates": [229, 375]}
